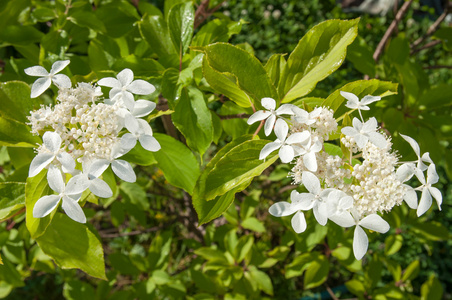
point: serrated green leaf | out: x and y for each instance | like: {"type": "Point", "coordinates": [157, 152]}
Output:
{"type": "Point", "coordinates": [181, 19]}
{"type": "Point", "coordinates": [318, 54]}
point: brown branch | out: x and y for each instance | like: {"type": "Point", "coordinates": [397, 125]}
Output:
{"type": "Point", "coordinates": [434, 27]}
{"type": "Point", "coordinates": [203, 12]}
{"type": "Point", "coordinates": [426, 46]}
{"type": "Point", "coordinates": [106, 235]}
{"type": "Point", "coordinates": [166, 119]}
{"type": "Point", "coordinates": [437, 67]}
{"type": "Point", "coordinates": [391, 29]}
{"type": "Point", "coordinates": [332, 295]}
{"type": "Point", "coordinates": [258, 128]}
{"type": "Point", "coordinates": [236, 116]}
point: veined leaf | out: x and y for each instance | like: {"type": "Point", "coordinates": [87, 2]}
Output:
{"type": "Point", "coordinates": [181, 19]}
{"type": "Point", "coordinates": [16, 101]}
{"type": "Point", "coordinates": [318, 54]}
{"type": "Point", "coordinates": [12, 198]}
{"type": "Point", "coordinates": [275, 67]}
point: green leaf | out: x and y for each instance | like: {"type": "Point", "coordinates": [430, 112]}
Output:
{"type": "Point", "coordinates": [193, 119]}
{"type": "Point", "coordinates": [298, 265]}
{"type": "Point", "coordinates": [243, 247]}
{"type": "Point", "coordinates": [20, 35]}
{"type": "Point", "coordinates": [275, 67]}
{"type": "Point", "coordinates": [155, 32]}
{"type": "Point", "coordinates": [432, 289]}
{"type": "Point", "coordinates": [253, 224]}
{"type": "Point", "coordinates": [236, 167]}
{"type": "Point", "coordinates": [139, 155]}
{"type": "Point", "coordinates": [243, 68]}
{"type": "Point", "coordinates": [89, 20]}
{"type": "Point", "coordinates": [212, 255]}
{"type": "Point", "coordinates": [213, 32]}
{"type": "Point", "coordinates": [123, 264]}
{"type": "Point", "coordinates": [16, 101]}
{"type": "Point", "coordinates": [225, 85]}
{"type": "Point", "coordinates": [181, 19]}
{"type": "Point", "coordinates": [263, 280]}
{"type": "Point", "coordinates": [118, 17]}
{"type": "Point", "coordinates": [75, 289]}
{"type": "Point", "coordinates": [437, 97]}
{"type": "Point", "coordinates": [16, 134]}
{"type": "Point", "coordinates": [444, 34]}
{"type": "Point", "coordinates": [12, 198]}
{"type": "Point", "coordinates": [360, 88]}
{"type": "Point", "coordinates": [317, 272]}
{"type": "Point", "coordinates": [361, 57]}
{"type": "Point", "coordinates": [177, 163]}
{"type": "Point", "coordinates": [432, 230]}
{"type": "Point", "coordinates": [411, 271]}
{"type": "Point", "coordinates": [356, 287]}
{"type": "Point", "coordinates": [35, 188]}
{"type": "Point", "coordinates": [318, 54]}
{"type": "Point", "coordinates": [393, 243]}
{"type": "Point", "coordinates": [73, 245]}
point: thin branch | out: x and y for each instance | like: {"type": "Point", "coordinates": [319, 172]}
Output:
{"type": "Point", "coordinates": [426, 46]}
{"type": "Point", "coordinates": [332, 295]}
{"type": "Point", "coordinates": [203, 12]}
{"type": "Point", "coordinates": [391, 29]}
{"type": "Point", "coordinates": [236, 116]}
{"type": "Point", "coordinates": [434, 27]}
{"type": "Point", "coordinates": [258, 128]}
{"type": "Point", "coordinates": [104, 234]}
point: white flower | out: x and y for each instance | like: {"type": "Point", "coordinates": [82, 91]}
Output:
{"type": "Point", "coordinates": [427, 190]}
{"type": "Point", "coordinates": [354, 103]}
{"type": "Point", "coordinates": [286, 151]}
{"type": "Point", "coordinates": [70, 194]}
{"type": "Point", "coordinates": [96, 185]}
{"type": "Point", "coordinates": [308, 152]}
{"type": "Point", "coordinates": [271, 114]}
{"type": "Point", "coordinates": [124, 87]}
{"type": "Point", "coordinates": [120, 167]}
{"type": "Point", "coordinates": [42, 84]}
{"type": "Point", "coordinates": [364, 132]}
{"type": "Point", "coordinates": [360, 241]}
{"type": "Point", "coordinates": [139, 130]}
{"type": "Point", "coordinates": [420, 160]}
{"type": "Point", "coordinates": [303, 117]}
{"type": "Point", "coordinates": [50, 151]}
{"type": "Point", "coordinates": [338, 203]}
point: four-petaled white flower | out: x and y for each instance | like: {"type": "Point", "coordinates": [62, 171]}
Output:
{"type": "Point", "coordinates": [427, 190]}
{"type": "Point", "coordinates": [354, 103]}
{"type": "Point", "coordinates": [284, 208]}
{"type": "Point", "coordinates": [96, 185]}
{"type": "Point", "coordinates": [139, 130]}
{"type": "Point", "coordinates": [70, 194]}
{"type": "Point", "coordinates": [123, 87]}
{"type": "Point", "coordinates": [120, 167]}
{"type": "Point", "coordinates": [308, 151]}
{"type": "Point", "coordinates": [42, 84]}
{"type": "Point", "coordinates": [417, 150]}
{"type": "Point", "coordinates": [286, 150]}
{"type": "Point", "coordinates": [303, 117]}
{"type": "Point", "coordinates": [51, 150]}
{"type": "Point", "coordinates": [271, 114]}
{"type": "Point", "coordinates": [364, 132]}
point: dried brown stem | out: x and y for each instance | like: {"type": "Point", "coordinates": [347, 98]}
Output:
{"type": "Point", "coordinates": [426, 46]}
{"type": "Point", "coordinates": [236, 116]}
{"type": "Point", "coordinates": [434, 27]}
{"type": "Point", "coordinates": [391, 29]}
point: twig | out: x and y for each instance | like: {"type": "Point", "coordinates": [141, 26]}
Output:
{"type": "Point", "coordinates": [166, 119]}
{"type": "Point", "coordinates": [236, 116]}
{"type": "Point", "coordinates": [434, 27]}
{"type": "Point", "coordinates": [437, 67]}
{"type": "Point", "coordinates": [258, 128]}
{"type": "Point", "coordinates": [131, 233]}
{"type": "Point", "coordinates": [426, 46]}
{"type": "Point", "coordinates": [202, 12]}
{"type": "Point", "coordinates": [391, 29]}
{"type": "Point", "coordinates": [330, 291]}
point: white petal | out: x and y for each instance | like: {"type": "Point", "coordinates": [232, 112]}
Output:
{"type": "Point", "coordinates": [357, 124]}
{"type": "Point", "coordinates": [58, 66]}
{"type": "Point", "coordinates": [432, 176]}
{"type": "Point", "coordinates": [349, 131]}
{"type": "Point", "coordinates": [370, 126]}
{"type": "Point", "coordinates": [298, 137]}
{"type": "Point", "coordinates": [437, 195]}
{"type": "Point", "coordinates": [45, 205]}
{"type": "Point", "coordinates": [374, 222]}
{"type": "Point", "coordinates": [420, 175]}
{"type": "Point", "coordinates": [346, 202]}
{"type": "Point", "coordinates": [145, 128]}
{"type": "Point", "coordinates": [40, 86]}
{"type": "Point", "coordinates": [268, 103]}
{"type": "Point", "coordinates": [413, 144]}
{"type": "Point", "coordinates": [55, 179]}
{"type": "Point", "coordinates": [149, 143]}
{"type": "Point", "coordinates": [321, 213]}
{"type": "Point", "coordinates": [52, 141]}
{"type": "Point", "coordinates": [38, 163]}
{"type": "Point", "coordinates": [109, 82]}
{"type": "Point", "coordinates": [62, 81]}
{"type": "Point", "coordinates": [98, 167]}
{"type": "Point", "coordinates": [125, 77]}
{"type": "Point", "coordinates": [405, 172]}
{"type": "Point", "coordinates": [316, 147]}
{"type": "Point", "coordinates": [425, 202]}
{"type": "Point", "coordinates": [123, 170]}
{"type": "Point", "coordinates": [344, 220]}
{"type": "Point", "coordinates": [361, 140]}
{"type": "Point", "coordinates": [286, 154]}
{"type": "Point", "coordinates": [100, 188]}
{"type": "Point", "coordinates": [143, 108]}
{"type": "Point", "coordinates": [285, 109]}
{"type": "Point", "coordinates": [77, 185]}
{"type": "Point", "coordinates": [258, 116]}
{"type": "Point", "coordinates": [67, 162]}
{"type": "Point", "coordinates": [131, 123]}
{"type": "Point", "coordinates": [268, 127]}
{"type": "Point", "coordinates": [269, 148]}
{"type": "Point", "coordinates": [281, 129]}
{"type": "Point", "coordinates": [311, 182]}
{"type": "Point", "coordinates": [370, 99]}
{"type": "Point", "coordinates": [281, 209]}
{"type": "Point", "coordinates": [72, 208]}
{"type": "Point", "coordinates": [36, 71]}
{"type": "Point", "coordinates": [353, 100]}
{"type": "Point", "coordinates": [141, 87]}
{"type": "Point", "coordinates": [426, 158]}
{"type": "Point", "coordinates": [128, 141]}
{"type": "Point", "coordinates": [377, 139]}
{"type": "Point", "coordinates": [302, 201]}
{"type": "Point", "coordinates": [360, 243]}
{"type": "Point", "coordinates": [128, 100]}
{"type": "Point", "coordinates": [298, 222]}
{"type": "Point", "coordinates": [310, 161]}
{"type": "Point", "coordinates": [410, 198]}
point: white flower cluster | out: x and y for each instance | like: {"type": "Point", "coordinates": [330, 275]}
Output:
{"type": "Point", "coordinates": [81, 135]}
{"type": "Point", "coordinates": [351, 189]}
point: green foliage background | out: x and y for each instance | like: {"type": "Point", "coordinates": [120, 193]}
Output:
{"type": "Point", "coordinates": [152, 246]}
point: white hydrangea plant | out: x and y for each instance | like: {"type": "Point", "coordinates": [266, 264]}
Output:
{"type": "Point", "coordinates": [340, 189]}
{"type": "Point", "coordinates": [81, 135]}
